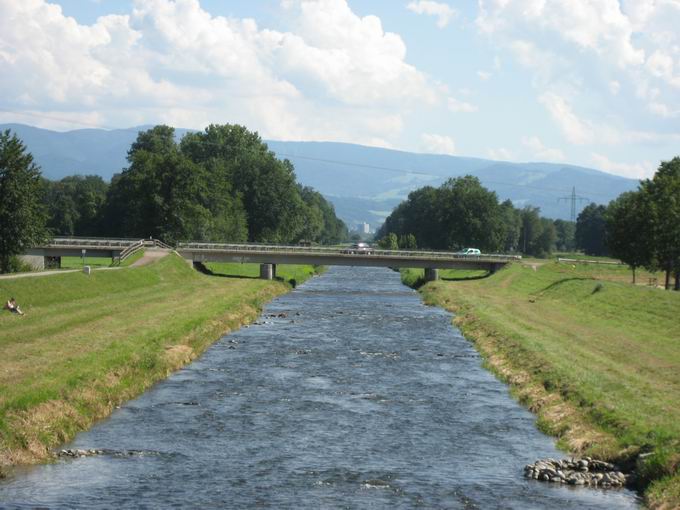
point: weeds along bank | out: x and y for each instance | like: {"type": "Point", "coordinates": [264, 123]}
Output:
{"type": "Point", "coordinates": [597, 359]}
{"type": "Point", "coordinates": [88, 343]}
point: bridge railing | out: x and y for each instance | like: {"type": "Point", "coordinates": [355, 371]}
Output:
{"type": "Point", "coordinates": [95, 242]}
{"type": "Point", "coordinates": [323, 250]}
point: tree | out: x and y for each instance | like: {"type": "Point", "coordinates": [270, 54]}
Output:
{"type": "Point", "coordinates": [470, 215]}
{"type": "Point", "coordinates": [565, 232]}
{"type": "Point", "coordinates": [22, 213]}
{"type": "Point", "coordinates": [407, 242]}
{"type": "Point", "coordinates": [164, 194]}
{"type": "Point", "coordinates": [75, 205]}
{"type": "Point", "coordinates": [663, 192]}
{"type": "Point", "coordinates": [629, 230]}
{"type": "Point", "coordinates": [590, 230]}
{"type": "Point", "coordinates": [265, 185]}
{"type": "Point", "coordinates": [389, 242]}
{"type": "Point", "coordinates": [512, 226]}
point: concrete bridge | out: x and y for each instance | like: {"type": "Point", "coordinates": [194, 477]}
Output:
{"type": "Point", "coordinates": [268, 256]}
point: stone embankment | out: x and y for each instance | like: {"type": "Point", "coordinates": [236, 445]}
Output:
{"type": "Point", "coordinates": [585, 471]}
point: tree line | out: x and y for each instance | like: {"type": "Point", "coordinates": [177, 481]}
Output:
{"type": "Point", "coordinates": [463, 213]}
{"type": "Point", "coordinates": [642, 227]}
{"type": "Point", "coordinates": [220, 185]}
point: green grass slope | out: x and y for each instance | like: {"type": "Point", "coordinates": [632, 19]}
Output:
{"type": "Point", "coordinates": [598, 359]}
{"type": "Point", "coordinates": [87, 343]}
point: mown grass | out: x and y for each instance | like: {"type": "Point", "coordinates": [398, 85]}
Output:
{"type": "Point", "coordinates": [87, 343]}
{"type": "Point", "coordinates": [597, 358]}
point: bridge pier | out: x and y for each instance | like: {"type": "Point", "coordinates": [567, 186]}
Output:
{"type": "Point", "coordinates": [431, 274]}
{"type": "Point", "coordinates": [495, 267]}
{"type": "Point", "coordinates": [267, 271]}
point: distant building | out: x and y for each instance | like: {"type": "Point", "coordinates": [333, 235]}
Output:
{"type": "Point", "coordinates": [364, 228]}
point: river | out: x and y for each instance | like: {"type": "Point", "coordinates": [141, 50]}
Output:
{"type": "Point", "coordinates": [347, 393]}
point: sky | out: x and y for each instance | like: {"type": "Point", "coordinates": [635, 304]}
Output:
{"type": "Point", "coordinates": [587, 82]}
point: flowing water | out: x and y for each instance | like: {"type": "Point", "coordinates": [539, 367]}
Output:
{"type": "Point", "coordinates": [355, 395]}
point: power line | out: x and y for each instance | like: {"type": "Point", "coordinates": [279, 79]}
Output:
{"type": "Point", "coordinates": [402, 171]}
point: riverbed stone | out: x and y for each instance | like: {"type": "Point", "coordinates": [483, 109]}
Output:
{"type": "Point", "coordinates": [585, 471]}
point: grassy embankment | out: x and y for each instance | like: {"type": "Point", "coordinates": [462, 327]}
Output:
{"type": "Point", "coordinates": [597, 358]}
{"type": "Point", "coordinates": [88, 343]}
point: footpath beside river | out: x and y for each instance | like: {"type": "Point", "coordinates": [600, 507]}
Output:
{"type": "Point", "coordinates": [348, 392]}
{"type": "Point", "coordinates": [596, 358]}
{"type": "Point", "coordinates": [90, 342]}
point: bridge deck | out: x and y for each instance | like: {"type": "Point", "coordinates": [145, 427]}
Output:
{"type": "Point", "coordinates": [282, 254]}
{"type": "Point", "coordinates": [269, 254]}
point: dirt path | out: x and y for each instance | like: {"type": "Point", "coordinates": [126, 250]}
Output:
{"type": "Point", "coordinates": [150, 255]}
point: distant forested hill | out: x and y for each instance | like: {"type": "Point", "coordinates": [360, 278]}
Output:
{"type": "Point", "coordinates": [364, 183]}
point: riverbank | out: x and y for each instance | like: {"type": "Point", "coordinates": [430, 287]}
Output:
{"type": "Point", "coordinates": [597, 359]}
{"type": "Point", "coordinates": [89, 343]}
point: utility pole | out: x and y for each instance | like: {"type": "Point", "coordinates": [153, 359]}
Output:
{"type": "Point", "coordinates": [573, 198]}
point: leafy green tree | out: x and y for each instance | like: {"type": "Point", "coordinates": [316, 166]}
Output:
{"type": "Point", "coordinates": [663, 192]}
{"type": "Point", "coordinates": [75, 205]}
{"type": "Point", "coordinates": [590, 230]}
{"type": "Point", "coordinates": [470, 215]}
{"type": "Point", "coordinates": [511, 219]}
{"type": "Point", "coordinates": [629, 230]}
{"type": "Point", "coordinates": [565, 232]}
{"type": "Point", "coordinates": [389, 242]}
{"type": "Point", "coordinates": [407, 242]}
{"type": "Point", "coordinates": [266, 186]}
{"type": "Point", "coordinates": [530, 231]}
{"type": "Point", "coordinates": [164, 194]}
{"type": "Point", "coordinates": [22, 212]}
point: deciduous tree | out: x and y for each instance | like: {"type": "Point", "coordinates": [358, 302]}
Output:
{"type": "Point", "coordinates": [22, 211]}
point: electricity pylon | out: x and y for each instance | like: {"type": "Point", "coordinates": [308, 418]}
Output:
{"type": "Point", "coordinates": [573, 198]}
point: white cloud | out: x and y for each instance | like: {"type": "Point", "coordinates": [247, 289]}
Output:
{"type": "Point", "coordinates": [457, 106]}
{"type": "Point", "coordinates": [172, 61]}
{"type": "Point", "coordinates": [574, 129]}
{"type": "Point", "coordinates": [641, 170]}
{"type": "Point", "coordinates": [444, 12]}
{"type": "Point", "coordinates": [438, 144]}
{"type": "Point", "coordinates": [501, 154]}
{"type": "Point", "coordinates": [598, 26]}
{"type": "Point", "coordinates": [540, 151]}
{"type": "Point", "coordinates": [484, 75]}
{"type": "Point", "coordinates": [593, 56]}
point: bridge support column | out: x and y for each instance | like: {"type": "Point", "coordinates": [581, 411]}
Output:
{"type": "Point", "coordinates": [267, 271]}
{"type": "Point", "coordinates": [431, 274]}
{"type": "Point", "coordinates": [495, 267]}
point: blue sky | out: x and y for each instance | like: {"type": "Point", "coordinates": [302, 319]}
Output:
{"type": "Point", "coordinates": [588, 82]}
